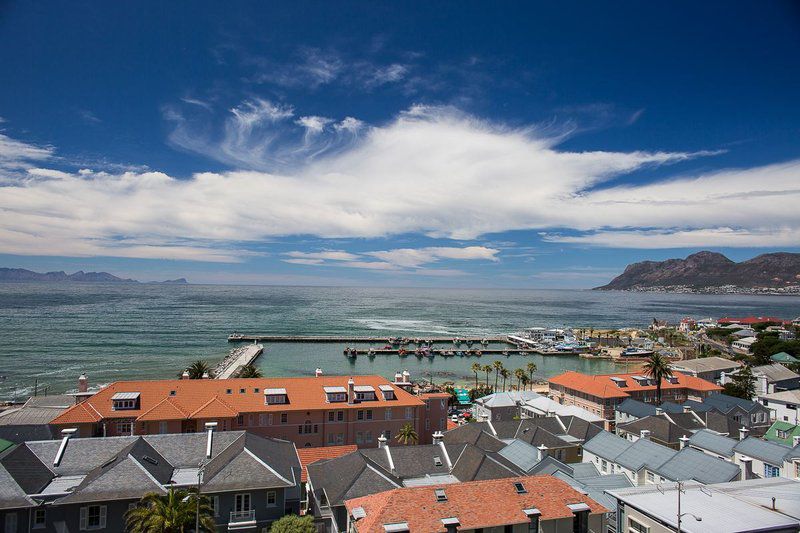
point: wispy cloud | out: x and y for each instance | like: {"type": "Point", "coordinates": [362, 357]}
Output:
{"type": "Point", "coordinates": [432, 171]}
{"type": "Point", "coordinates": [394, 260]}
{"type": "Point", "coordinates": [88, 116]}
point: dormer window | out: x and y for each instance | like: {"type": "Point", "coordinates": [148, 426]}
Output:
{"type": "Point", "coordinates": [364, 393]}
{"type": "Point", "coordinates": [387, 391]}
{"type": "Point", "coordinates": [122, 401]}
{"type": "Point", "coordinates": [335, 394]}
{"type": "Point", "coordinates": [441, 496]}
{"type": "Point", "coordinates": [621, 383]}
{"type": "Point", "coordinates": [275, 396]}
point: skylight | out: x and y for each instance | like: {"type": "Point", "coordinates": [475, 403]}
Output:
{"type": "Point", "coordinates": [440, 495]}
{"type": "Point", "coordinates": [520, 488]}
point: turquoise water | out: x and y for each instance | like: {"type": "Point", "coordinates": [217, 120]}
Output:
{"type": "Point", "coordinates": [53, 332]}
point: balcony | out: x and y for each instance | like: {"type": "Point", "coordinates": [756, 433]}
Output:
{"type": "Point", "coordinates": [240, 520]}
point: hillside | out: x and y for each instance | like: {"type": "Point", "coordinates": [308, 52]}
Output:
{"type": "Point", "coordinates": [709, 269]}
{"type": "Point", "coordinates": [20, 275]}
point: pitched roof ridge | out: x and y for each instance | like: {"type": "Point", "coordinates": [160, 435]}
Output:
{"type": "Point", "coordinates": [171, 401]}
{"type": "Point", "coordinates": [213, 399]}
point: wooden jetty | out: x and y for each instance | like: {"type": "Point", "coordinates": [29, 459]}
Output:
{"type": "Point", "coordinates": [450, 353]}
{"type": "Point", "coordinates": [238, 337]}
{"type": "Point", "coordinates": [238, 358]}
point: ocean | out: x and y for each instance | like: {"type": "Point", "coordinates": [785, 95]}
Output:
{"type": "Point", "coordinates": [50, 333]}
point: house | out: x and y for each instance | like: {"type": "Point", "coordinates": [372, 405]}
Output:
{"type": "Point", "coordinates": [751, 320]}
{"type": "Point", "coordinates": [501, 405]}
{"type": "Point", "coordinates": [659, 428]}
{"type": "Point", "coordinates": [629, 410]}
{"type": "Point", "coordinates": [703, 509]}
{"type": "Point", "coordinates": [783, 333]}
{"type": "Point", "coordinates": [687, 324]}
{"type": "Point", "coordinates": [517, 504]}
{"type": "Point", "coordinates": [743, 345]}
{"type": "Point", "coordinates": [708, 368]}
{"type": "Point", "coordinates": [645, 462]}
{"type": "Point", "coordinates": [784, 358]}
{"type": "Point", "coordinates": [84, 484]}
{"type": "Point", "coordinates": [752, 415]}
{"type": "Point", "coordinates": [744, 333]}
{"type": "Point", "coordinates": [373, 470]}
{"type": "Point", "coordinates": [784, 405]}
{"type": "Point", "coordinates": [770, 378]}
{"type": "Point", "coordinates": [601, 394]}
{"type": "Point", "coordinates": [543, 407]}
{"type": "Point", "coordinates": [31, 420]}
{"type": "Point", "coordinates": [783, 433]}
{"type": "Point", "coordinates": [756, 457]}
{"type": "Point", "coordinates": [762, 491]}
{"type": "Point", "coordinates": [309, 411]}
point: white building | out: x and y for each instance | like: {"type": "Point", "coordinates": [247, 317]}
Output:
{"type": "Point", "coordinates": [743, 345]}
{"type": "Point", "coordinates": [785, 405]}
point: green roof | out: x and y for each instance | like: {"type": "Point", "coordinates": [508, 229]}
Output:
{"type": "Point", "coordinates": [5, 444]}
{"type": "Point", "coordinates": [783, 357]}
{"type": "Point", "coordinates": [787, 429]}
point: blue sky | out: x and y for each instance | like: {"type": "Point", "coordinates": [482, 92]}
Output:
{"type": "Point", "coordinates": [396, 144]}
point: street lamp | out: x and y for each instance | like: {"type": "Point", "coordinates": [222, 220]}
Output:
{"type": "Point", "coordinates": [681, 515]}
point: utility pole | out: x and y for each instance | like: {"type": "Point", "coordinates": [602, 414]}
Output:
{"type": "Point", "coordinates": [680, 486]}
{"type": "Point", "coordinates": [197, 497]}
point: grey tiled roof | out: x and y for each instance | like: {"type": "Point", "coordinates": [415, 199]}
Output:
{"type": "Point", "coordinates": [606, 445]}
{"type": "Point", "coordinates": [11, 494]}
{"type": "Point", "coordinates": [522, 454]}
{"type": "Point", "coordinates": [768, 451]}
{"type": "Point", "coordinates": [644, 453]}
{"type": "Point", "coordinates": [693, 464]}
{"type": "Point", "coordinates": [708, 440]}
{"type": "Point", "coordinates": [640, 409]}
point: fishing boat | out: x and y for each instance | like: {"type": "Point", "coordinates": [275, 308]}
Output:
{"type": "Point", "coordinates": [636, 352]}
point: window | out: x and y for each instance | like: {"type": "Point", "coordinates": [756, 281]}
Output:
{"type": "Point", "coordinates": [307, 427]}
{"type": "Point", "coordinates": [331, 415]}
{"type": "Point", "coordinates": [242, 391]}
{"type": "Point", "coordinates": [771, 471]}
{"type": "Point", "coordinates": [427, 405]}
{"type": "Point", "coordinates": [360, 415]}
{"type": "Point", "coordinates": [369, 414]}
{"type": "Point", "coordinates": [337, 397]}
{"type": "Point", "coordinates": [215, 505]}
{"type": "Point", "coordinates": [38, 518]}
{"type": "Point", "coordinates": [427, 423]}
{"type": "Point", "coordinates": [11, 523]}
{"type": "Point", "coordinates": [387, 434]}
{"type": "Point", "coordinates": [242, 502]}
{"type": "Point", "coordinates": [409, 413]}
{"type": "Point", "coordinates": [120, 405]}
{"type": "Point", "coordinates": [125, 427]}
{"type": "Point", "coordinates": [650, 477]}
{"type": "Point", "coordinates": [240, 420]}
{"type": "Point", "coordinates": [272, 498]}
{"type": "Point", "coordinates": [228, 391]}
{"type": "Point", "coordinates": [441, 496]}
{"type": "Point", "coordinates": [520, 488]}
{"type": "Point", "coordinates": [340, 438]}
{"type": "Point", "coordinates": [256, 390]}
{"type": "Point", "coordinates": [580, 522]}
{"type": "Point", "coordinates": [275, 398]}
{"type": "Point", "coordinates": [163, 427]}
{"type": "Point", "coordinates": [441, 424]}
{"type": "Point", "coordinates": [368, 437]}
{"type": "Point", "coordinates": [173, 393]}
{"type": "Point", "coordinates": [636, 527]}
{"type": "Point", "coordinates": [331, 439]}
{"type": "Point", "coordinates": [533, 525]}
{"type": "Point", "coordinates": [782, 433]}
{"type": "Point", "coordinates": [605, 465]}
{"type": "Point", "coordinates": [93, 517]}
{"type": "Point", "coordinates": [359, 437]}
{"type": "Point", "coordinates": [388, 413]}
{"type": "Point", "coordinates": [284, 418]}
{"type": "Point", "coordinates": [340, 416]}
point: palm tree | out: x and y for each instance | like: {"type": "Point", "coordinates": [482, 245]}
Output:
{"type": "Point", "coordinates": [197, 369]}
{"type": "Point", "coordinates": [505, 373]}
{"type": "Point", "coordinates": [174, 512]}
{"type": "Point", "coordinates": [525, 382]}
{"type": "Point", "coordinates": [407, 434]}
{"type": "Point", "coordinates": [658, 367]}
{"type": "Point", "coordinates": [497, 366]}
{"type": "Point", "coordinates": [476, 367]}
{"type": "Point", "coordinates": [249, 371]}
{"type": "Point", "coordinates": [488, 369]}
{"type": "Point", "coordinates": [531, 369]}
{"type": "Point", "coordinates": [519, 374]}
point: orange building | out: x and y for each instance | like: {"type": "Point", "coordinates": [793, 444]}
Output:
{"type": "Point", "coordinates": [309, 411]}
{"type": "Point", "coordinates": [600, 394]}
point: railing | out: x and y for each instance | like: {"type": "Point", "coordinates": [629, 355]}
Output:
{"type": "Point", "coordinates": [242, 516]}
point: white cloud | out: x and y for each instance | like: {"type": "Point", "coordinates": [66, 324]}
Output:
{"type": "Point", "coordinates": [313, 124]}
{"type": "Point", "coordinates": [416, 257]}
{"type": "Point", "coordinates": [431, 171]}
{"type": "Point", "coordinates": [328, 255]}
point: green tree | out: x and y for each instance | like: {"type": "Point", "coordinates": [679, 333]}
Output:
{"type": "Point", "coordinates": [174, 512]}
{"type": "Point", "coordinates": [743, 384]}
{"type": "Point", "coordinates": [505, 373]}
{"type": "Point", "coordinates": [531, 369]}
{"type": "Point", "coordinates": [477, 368]}
{"type": "Point", "coordinates": [407, 435]}
{"type": "Point", "coordinates": [525, 382]}
{"type": "Point", "coordinates": [498, 365]}
{"type": "Point", "coordinates": [291, 523]}
{"type": "Point", "coordinates": [249, 371]}
{"type": "Point", "coordinates": [657, 367]}
{"type": "Point", "coordinates": [488, 369]}
{"type": "Point", "coordinates": [197, 369]}
{"type": "Point", "coordinates": [519, 374]}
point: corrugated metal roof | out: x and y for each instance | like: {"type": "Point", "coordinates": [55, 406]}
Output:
{"type": "Point", "coordinates": [125, 396]}
{"type": "Point", "coordinates": [713, 442]}
{"type": "Point", "coordinates": [275, 392]}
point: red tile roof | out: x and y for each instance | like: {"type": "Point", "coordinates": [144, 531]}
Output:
{"type": "Point", "coordinates": [195, 398]}
{"type": "Point", "coordinates": [311, 455]}
{"type": "Point", "coordinates": [602, 386]}
{"type": "Point", "coordinates": [750, 320]}
{"type": "Point", "coordinates": [476, 504]}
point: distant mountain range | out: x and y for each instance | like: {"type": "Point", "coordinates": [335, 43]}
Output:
{"type": "Point", "coordinates": [713, 272]}
{"type": "Point", "coordinates": [22, 275]}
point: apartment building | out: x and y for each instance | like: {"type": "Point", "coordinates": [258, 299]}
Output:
{"type": "Point", "coordinates": [309, 411]}
{"type": "Point", "coordinates": [601, 394]}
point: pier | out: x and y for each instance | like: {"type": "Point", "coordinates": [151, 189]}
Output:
{"type": "Point", "coordinates": [239, 357]}
{"type": "Point", "coordinates": [238, 337]}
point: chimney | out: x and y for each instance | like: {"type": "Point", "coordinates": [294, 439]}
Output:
{"type": "Point", "coordinates": [398, 377]}
{"type": "Point", "coordinates": [542, 453]}
{"type": "Point", "coordinates": [659, 411]}
{"type": "Point", "coordinates": [687, 408]}
{"type": "Point", "coordinates": [743, 431]}
{"type": "Point", "coordinates": [684, 441]}
{"type": "Point", "coordinates": [747, 468]}
{"type": "Point", "coordinates": [437, 437]}
{"type": "Point", "coordinates": [317, 372]}
{"type": "Point", "coordinates": [83, 383]}
{"type": "Point", "coordinates": [796, 441]}
{"type": "Point", "coordinates": [382, 441]}
{"type": "Point", "coordinates": [644, 434]}
{"type": "Point", "coordinates": [210, 427]}
{"type": "Point", "coordinates": [185, 374]}
{"type": "Point", "coordinates": [351, 393]}
{"type": "Point", "coordinates": [61, 449]}
{"type": "Point", "coordinates": [406, 376]}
